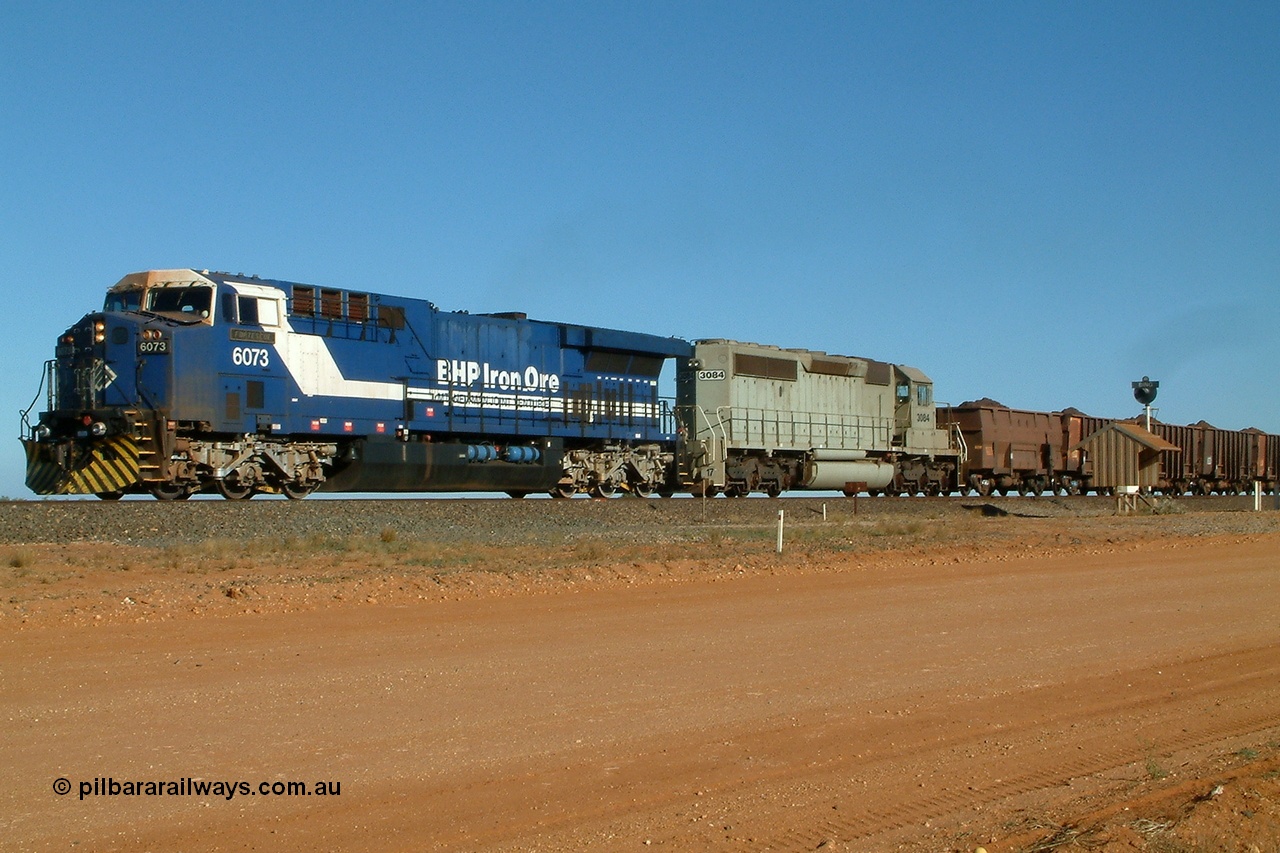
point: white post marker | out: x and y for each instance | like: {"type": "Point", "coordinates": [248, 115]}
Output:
{"type": "Point", "coordinates": [780, 531]}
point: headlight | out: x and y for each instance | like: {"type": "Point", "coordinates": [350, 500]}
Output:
{"type": "Point", "coordinates": [98, 430]}
{"type": "Point", "coordinates": [43, 432]}
{"type": "Point", "coordinates": [99, 332]}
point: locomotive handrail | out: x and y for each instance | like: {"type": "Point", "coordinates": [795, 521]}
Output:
{"type": "Point", "coordinates": [666, 414]}
{"type": "Point", "coordinates": [803, 430]}
{"type": "Point", "coordinates": [48, 377]}
{"type": "Point", "coordinates": [962, 446]}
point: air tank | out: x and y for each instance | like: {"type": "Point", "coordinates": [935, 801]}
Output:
{"type": "Point", "coordinates": [833, 469]}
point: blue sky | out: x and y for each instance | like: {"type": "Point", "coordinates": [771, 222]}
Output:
{"type": "Point", "coordinates": [1035, 202]}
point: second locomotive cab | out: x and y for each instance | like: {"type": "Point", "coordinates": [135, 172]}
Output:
{"type": "Point", "coordinates": [190, 381]}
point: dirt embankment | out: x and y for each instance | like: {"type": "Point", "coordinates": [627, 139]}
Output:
{"type": "Point", "coordinates": [921, 675]}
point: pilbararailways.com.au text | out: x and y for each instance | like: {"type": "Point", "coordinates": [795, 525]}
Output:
{"type": "Point", "coordinates": [106, 786]}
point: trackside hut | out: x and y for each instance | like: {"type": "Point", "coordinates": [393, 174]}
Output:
{"type": "Point", "coordinates": [1124, 454]}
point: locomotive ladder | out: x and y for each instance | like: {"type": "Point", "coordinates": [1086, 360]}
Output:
{"type": "Point", "coordinates": [149, 462]}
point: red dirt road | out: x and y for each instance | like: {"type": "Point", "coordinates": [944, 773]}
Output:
{"type": "Point", "coordinates": [929, 704]}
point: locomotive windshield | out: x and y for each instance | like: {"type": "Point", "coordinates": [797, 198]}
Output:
{"type": "Point", "coordinates": [123, 300]}
{"type": "Point", "coordinates": [190, 302]}
{"type": "Point", "coordinates": [195, 302]}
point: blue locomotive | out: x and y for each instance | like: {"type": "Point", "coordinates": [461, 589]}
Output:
{"type": "Point", "coordinates": [190, 381]}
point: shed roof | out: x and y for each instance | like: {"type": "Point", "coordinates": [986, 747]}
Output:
{"type": "Point", "coordinates": [1147, 439]}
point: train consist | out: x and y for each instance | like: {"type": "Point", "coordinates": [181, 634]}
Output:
{"type": "Point", "coordinates": [195, 381]}
{"type": "Point", "coordinates": [1012, 450]}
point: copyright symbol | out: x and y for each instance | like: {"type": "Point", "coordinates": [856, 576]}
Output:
{"type": "Point", "coordinates": [61, 786]}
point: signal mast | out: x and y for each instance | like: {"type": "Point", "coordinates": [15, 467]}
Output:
{"type": "Point", "coordinates": [1145, 393]}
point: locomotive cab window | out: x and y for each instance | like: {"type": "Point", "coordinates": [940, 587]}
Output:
{"type": "Point", "coordinates": [187, 303]}
{"type": "Point", "coordinates": [268, 312]}
{"type": "Point", "coordinates": [250, 310]}
{"type": "Point", "coordinates": [123, 300]}
{"type": "Point", "coordinates": [923, 395]}
{"type": "Point", "coordinates": [904, 392]}
{"type": "Point", "coordinates": [256, 311]}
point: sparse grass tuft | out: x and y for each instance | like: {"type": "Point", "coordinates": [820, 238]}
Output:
{"type": "Point", "coordinates": [895, 528]}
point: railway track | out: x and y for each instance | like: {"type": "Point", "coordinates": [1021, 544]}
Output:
{"type": "Point", "coordinates": [503, 521]}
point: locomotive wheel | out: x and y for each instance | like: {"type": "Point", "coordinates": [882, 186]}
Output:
{"type": "Point", "coordinates": [296, 491]}
{"type": "Point", "coordinates": [642, 488]}
{"type": "Point", "coordinates": [110, 496]}
{"type": "Point", "coordinates": [563, 490]}
{"type": "Point", "coordinates": [516, 495]}
{"type": "Point", "coordinates": [665, 492]}
{"type": "Point", "coordinates": [602, 490]}
{"type": "Point", "coordinates": [733, 491]}
{"type": "Point", "coordinates": [235, 491]}
{"type": "Point", "coordinates": [170, 492]}
{"type": "Point", "coordinates": [773, 488]}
